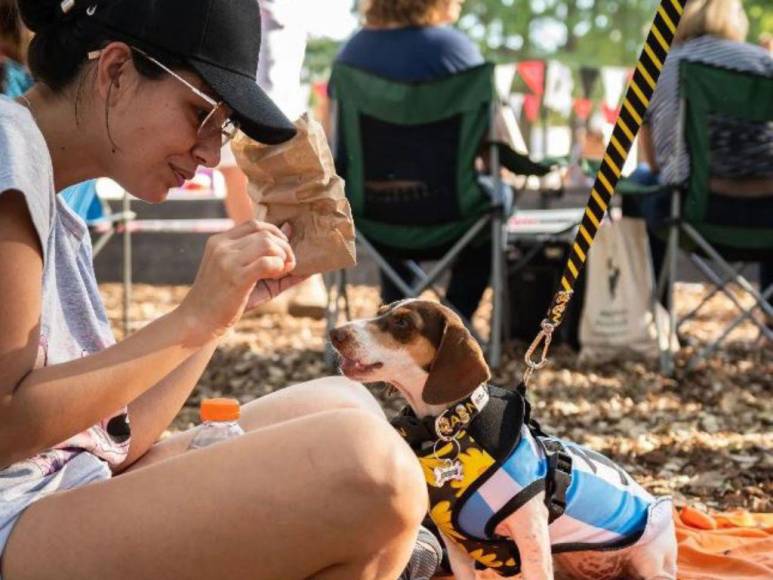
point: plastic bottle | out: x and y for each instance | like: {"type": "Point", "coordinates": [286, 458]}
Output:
{"type": "Point", "coordinates": [220, 422]}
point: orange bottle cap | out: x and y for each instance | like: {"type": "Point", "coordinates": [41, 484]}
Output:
{"type": "Point", "coordinates": [221, 409]}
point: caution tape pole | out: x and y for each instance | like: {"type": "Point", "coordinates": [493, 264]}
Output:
{"type": "Point", "coordinates": [637, 99]}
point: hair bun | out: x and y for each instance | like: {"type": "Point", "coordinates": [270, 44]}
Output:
{"type": "Point", "coordinates": [41, 14]}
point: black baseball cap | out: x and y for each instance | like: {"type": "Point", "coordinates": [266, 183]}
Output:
{"type": "Point", "coordinates": [219, 39]}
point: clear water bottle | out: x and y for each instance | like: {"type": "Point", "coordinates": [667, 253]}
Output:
{"type": "Point", "coordinates": [220, 422]}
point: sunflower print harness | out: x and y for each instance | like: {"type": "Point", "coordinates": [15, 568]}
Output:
{"type": "Point", "coordinates": [485, 457]}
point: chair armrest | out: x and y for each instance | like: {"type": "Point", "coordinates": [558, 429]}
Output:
{"type": "Point", "coordinates": [630, 188]}
{"type": "Point", "coordinates": [523, 164]}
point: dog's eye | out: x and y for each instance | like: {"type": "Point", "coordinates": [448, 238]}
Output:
{"type": "Point", "coordinates": [402, 323]}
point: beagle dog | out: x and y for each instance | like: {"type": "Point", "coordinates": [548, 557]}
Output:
{"type": "Point", "coordinates": [503, 494]}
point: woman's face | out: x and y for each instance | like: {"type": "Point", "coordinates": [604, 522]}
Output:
{"type": "Point", "coordinates": [155, 132]}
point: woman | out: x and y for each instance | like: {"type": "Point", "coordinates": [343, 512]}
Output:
{"type": "Point", "coordinates": [143, 91]}
{"type": "Point", "coordinates": [14, 38]}
{"type": "Point", "coordinates": [413, 41]}
{"type": "Point", "coordinates": [711, 32]}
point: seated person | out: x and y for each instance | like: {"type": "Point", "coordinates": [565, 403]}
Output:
{"type": "Point", "coordinates": [413, 41]}
{"type": "Point", "coordinates": [81, 413]}
{"type": "Point", "coordinates": [14, 37]}
{"type": "Point", "coordinates": [711, 32]}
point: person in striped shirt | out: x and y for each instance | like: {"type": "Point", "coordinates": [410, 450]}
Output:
{"type": "Point", "coordinates": [711, 32]}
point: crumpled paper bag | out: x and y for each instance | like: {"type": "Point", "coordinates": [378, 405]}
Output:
{"type": "Point", "coordinates": [296, 182]}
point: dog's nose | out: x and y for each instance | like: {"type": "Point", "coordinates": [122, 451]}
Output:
{"type": "Point", "coordinates": [339, 337]}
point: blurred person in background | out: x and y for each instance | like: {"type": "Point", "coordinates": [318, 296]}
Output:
{"type": "Point", "coordinates": [283, 36]}
{"type": "Point", "coordinates": [415, 41]}
{"type": "Point", "coordinates": [14, 39]}
{"type": "Point", "coordinates": [766, 41]}
{"type": "Point", "coordinates": [410, 40]}
{"type": "Point", "coordinates": [711, 32]}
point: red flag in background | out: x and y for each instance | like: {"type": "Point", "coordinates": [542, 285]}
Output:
{"type": "Point", "coordinates": [582, 108]}
{"type": "Point", "coordinates": [531, 105]}
{"type": "Point", "coordinates": [610, 113]}
{"type": "Point", "coordinates": [533, 74]}
{"type": "Point", "coordinates": [320, 89]}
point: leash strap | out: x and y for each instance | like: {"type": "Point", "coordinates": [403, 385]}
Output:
{"type": "Point", "coordinates": [637, 99]}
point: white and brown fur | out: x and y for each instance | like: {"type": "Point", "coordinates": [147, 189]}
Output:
{"type": "Point", "coordinates": [424, 351]}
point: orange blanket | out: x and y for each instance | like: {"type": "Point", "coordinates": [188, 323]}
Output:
{"type": "Point", "coordinates": [724, 546]}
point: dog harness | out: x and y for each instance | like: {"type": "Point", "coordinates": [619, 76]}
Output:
{"type": "Point", "coordinates": [485, 457]}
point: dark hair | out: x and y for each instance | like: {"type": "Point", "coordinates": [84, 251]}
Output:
{"type": "Point", "coordinates": [62, 41]}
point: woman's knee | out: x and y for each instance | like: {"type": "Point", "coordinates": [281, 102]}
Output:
{"type": "Point", "coordinates": [345, 393]}
{"type": "Point", "coordinates": [375, 461]}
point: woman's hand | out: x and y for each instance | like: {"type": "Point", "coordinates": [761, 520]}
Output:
{"type": "Point", "coordinates": [243, 267]}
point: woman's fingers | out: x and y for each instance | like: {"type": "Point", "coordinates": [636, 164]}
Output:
{"type": "Point", "coordinates": [231, 265]}
{"type": "Point", "coordinates": [251, 247]}
{"type": "Point", "coordinates": [270, 267]}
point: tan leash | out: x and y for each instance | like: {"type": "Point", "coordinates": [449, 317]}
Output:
{"type": "Point", "coordinates": [637, 99]}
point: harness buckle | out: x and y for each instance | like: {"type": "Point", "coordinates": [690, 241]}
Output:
{"type": "Point", "coordinates": [558, 478]}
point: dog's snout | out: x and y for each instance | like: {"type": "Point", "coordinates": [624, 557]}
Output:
{"type": "Point", "coordinates": [340, 336]}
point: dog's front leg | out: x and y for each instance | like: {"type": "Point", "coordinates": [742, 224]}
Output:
{"type": "Point", "coordinates": [528, 528]}
{"type": "Point", "coordinates": [462, 565]}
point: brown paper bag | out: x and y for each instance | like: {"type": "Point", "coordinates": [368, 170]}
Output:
{"type": "Point", "coordinates": [296, 182]}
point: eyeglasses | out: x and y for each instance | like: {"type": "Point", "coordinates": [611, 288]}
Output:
{"type": "Point", "coordinates": [209, 126]}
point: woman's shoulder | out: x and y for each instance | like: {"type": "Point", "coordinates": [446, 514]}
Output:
{"type": "Point", "coordinates": [437, 36]}
{"type": "Point", "coordinates": [728, 54]}
{"type": "Point", "coordinates": [411, 53]}
{"type": "Point", "coordinates": [11, 111]}
{"type": "Point", "coordinates": [452, 41]}
{"type": "Point", "coordinates": [17, 126]}
{"type": "Point", "coordinates": [23, 149]}
{"type": "Point", "coordinates": [25, 164]}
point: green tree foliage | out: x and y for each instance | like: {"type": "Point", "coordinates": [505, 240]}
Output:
{"type": "Point", "coordinates": [588, 32]}
{"type": "Point", "coordinates": [576, 32]}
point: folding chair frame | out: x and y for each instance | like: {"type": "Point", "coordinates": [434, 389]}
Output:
{"type": "Point", "coordinates": [679, 225]}
{"type": "Point", "coordinates": [668, 276]}
{"type": "Point", "coordinates": [501, 199]}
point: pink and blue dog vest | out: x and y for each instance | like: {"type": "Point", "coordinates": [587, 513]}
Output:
{"type": "Point", "coordinates": [499, 460]}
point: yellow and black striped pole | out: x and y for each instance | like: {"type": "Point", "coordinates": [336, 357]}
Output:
{"type": "Point", "coordinates": [637, 99]}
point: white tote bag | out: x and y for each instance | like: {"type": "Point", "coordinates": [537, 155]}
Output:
{"type": "Point", "coordinates": [617, 319]}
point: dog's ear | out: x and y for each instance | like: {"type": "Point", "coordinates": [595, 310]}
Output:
{"type": "Point", "coordinates": [458, 367]}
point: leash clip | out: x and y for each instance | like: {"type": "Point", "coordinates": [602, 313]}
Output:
{"type": "Point", "coordinates": [544, 337]}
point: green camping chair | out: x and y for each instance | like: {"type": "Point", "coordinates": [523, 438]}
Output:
{"type": "Point", "coordinates": [696, 225]}
{"type": "Point", "coordinates": [407, 152]}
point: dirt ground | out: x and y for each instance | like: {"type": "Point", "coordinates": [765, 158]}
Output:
{"type": "Point", "coordinates": [703, 436]}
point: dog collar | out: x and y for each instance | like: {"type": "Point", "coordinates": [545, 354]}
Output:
{"type": "Point", "coordinates": [454, 419]}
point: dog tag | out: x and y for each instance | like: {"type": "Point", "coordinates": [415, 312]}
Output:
{"type": "Point", "coordinates": [452, 470]}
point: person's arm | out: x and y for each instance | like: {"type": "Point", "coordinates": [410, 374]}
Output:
{"type": "Point", "coordinates": [42, 407]}
{"type": "Point", "coordinates": [647, 148]}
{"type": "Point", "coordinates": [153, 411]}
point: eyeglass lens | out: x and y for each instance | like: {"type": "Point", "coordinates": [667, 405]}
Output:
{"type": "Point", "coordinates": [217, 124]}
